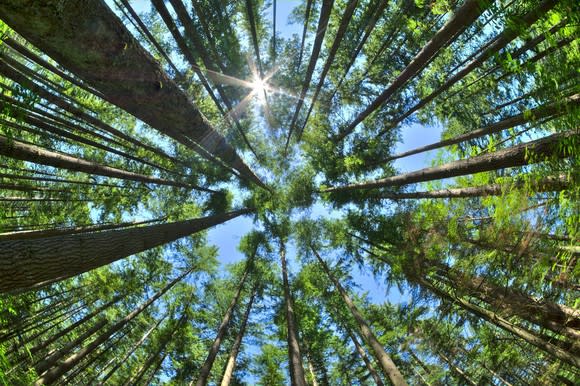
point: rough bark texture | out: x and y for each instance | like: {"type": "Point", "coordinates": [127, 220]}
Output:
{"type": "Point", "coordinates": [387, 365]}
{"type": "Point", "coordinates": [549, 184]}
{"type": "Point", "coordinates": [297, 376]}
{"type": "Point", "coordinates": [22, 151]}
{"type": "Point", "coordinates": [88, 39]}
{"type": "Point", "coordinates": [31, 263]}
{"type": "Point", "coordinates": [518, 155]}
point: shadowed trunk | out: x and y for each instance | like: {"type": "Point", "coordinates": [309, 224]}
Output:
{"type": "Point", "coordinates": [27, 264]}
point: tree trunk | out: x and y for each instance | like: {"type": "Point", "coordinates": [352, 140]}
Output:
{"type": "Point", "coordinates": [548, 184]}
{"type": "Point", "coordinates": [462, 374]}
{"type": "Point", "coordinates": [28, 264]}
{"type": "Point", "coordinates": [514, 26]}
{"type": "Point", "coordinates": [362, 353]}
{"type": "Point", "coordinates": [230, 366]}
{"type": "Point", "coordinates": [467, 14]}
{"type": "Point", "coordinates": [344, 22]}
{"type": "Point", "coordinates": [387, 365]}
{"type": "Point", "coordinates": [518, 155]}
{"type": "Point", "coordinates": [509, 302]}
{"type": "Point", "coordinates": [55, 373]}
{"type": "Point", "coordinates": [37, 234]}
{"type": "Point", "coordinates": [548, 110]}
{"type": "Point", "coordinates": [83, 37]}
{"type": "Point", "coordinates": [134, 348]}
{"type": "Point", "coordinates": [491, 317]}
{"type": "Point", "coordinates": [205, 370]}
{"type": "Point", "coordinates": [325, 11]}
{"type": "Point", "coordinates": [297, 375]}
{"type": "Point", "coordinates": [26, 152]}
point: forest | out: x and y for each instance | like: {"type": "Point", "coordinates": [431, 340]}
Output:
{"type": "Point", "coordinates": [289, 192]}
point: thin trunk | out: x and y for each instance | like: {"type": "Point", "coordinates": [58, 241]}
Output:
{"type": "Point", "coordinates": [362, 353]}
{"type": "Point", "coordinates": [69, 36]}
{"type": "Point", "coordinates": [205, 370]}
{"type": "Point", "coordinates": [36, 234]}
{"type": "Point", "coordinates": [344, 22]}
{"type": "Point", "coordinates": [26, 152]}
{"type": "Point", "coordinates": [467, 14]}
{"type": "Point", "coordinates": [548, 110]}
{"type": "Point", "coordinates": [512, 31]}
{"type": "Point", "coordinates": [387, 365]}
{"type": "Point", "coordinates": [23, 50]}
{"type": "Point", "coordinates": [304, 30]}
{"type": "Point", "coordinates": [136, 378]}
{"type": "Point", "coordinates": [231, 364]}
{"type": "Point", "coordinates": [32, 263]}
{"type": "Point", "coordinates": [325, 12]}
{"type": "Point", "coordinates": [297, 375]}
{"type": "Point", "coordinates": [518, 155]}
{"type": "Point", "coordinates": [462, 374]}
{"type": "Point", "coordinates": [548, 184]}
{"type": "Point", "coordinates": [134, 348]}
{"type": "Point", "coordinates": [56, 372]}
{"type": "Point", "coordinates": [52, 359]}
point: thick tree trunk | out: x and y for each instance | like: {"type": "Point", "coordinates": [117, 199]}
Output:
{"type": "Point", "coordinates": [467, 14]}
{"type": "Point", "coordinates": [518, 155]}
{"type": "Point", "coordinates": [297, 376]}
{"type": "Point", "coordinates": [387, 365]}
{"type": "Point", "coordinates": [27, 264]}
{"type": "Point", "coordinates": [55, 373]}
{"type": "Point", "coordinates": [362, 353]}
{"type": "Point", "coordinates": [493, 318]}
{"type": "Point", "coordinates": [85, 37]}
{"type": "Point", "coordinates": [549, 184]}
{"type": "Point", "coordinates": [231, 364]}
{"type": "Point", "coordinates": [26, 152]}
{"type": "Point", "coordinates": [508, 302]}
{"type": "Point", "coordinates": [205, 370]}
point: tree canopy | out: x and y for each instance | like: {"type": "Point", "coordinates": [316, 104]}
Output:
{"type": "Point", "coordinates": [129, 130]}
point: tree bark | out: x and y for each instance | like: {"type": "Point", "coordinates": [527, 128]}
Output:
{"type": "Point", "coordinates": [205, 370]}
{"type": "Point", "coordinates": [55, 373]}
{"type": "Point", "coordinates": [297, 376]}
{"type": "Point", "coordinates": [548, 184]}
{"type": "Point", "coordinates": [26, 152]}
{"type": "Point", "coordinates": [518, 155]}
{"type": "Point", "coordinates": [231, 364]}
{"type": "Point", "coordinates": [84, 37]}
{"type": "Point", "coordinates": [387, 365]}
{"type": "Point", "coordinates": [493, 318]}
{"type": "Point", "coordinates": [27, 264]}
